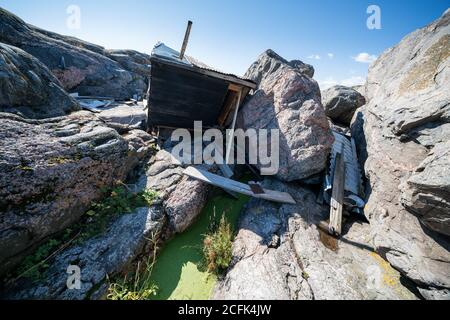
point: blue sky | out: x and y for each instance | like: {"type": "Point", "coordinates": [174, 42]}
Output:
{"type": "Point", "coordinates": [230, 35]}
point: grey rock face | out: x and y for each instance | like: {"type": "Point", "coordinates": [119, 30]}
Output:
{"type": "Point", "coordinates": [125, 116]}
{"type": "Point", "coordinates": [289, 101]}
{"type": "Point", "coordinates": [361, 89]}
{"type": "Point", "coordinates": [28, 88]}
{"type": "Point", "coordinates": [402, 134]}
{"type": "Point", "coordinates": [435, 294]}
{"type": "Point", "coordinates": [304, 68]}
{"type": "Point", "coordinates": [306, 264]}
{"type": "Point", "coordinates": [72, 61]}
{"type": "Point", "coordinates": [341, 102]}
{"type": "Point", "coordinates": [132, 60]}
{"type": "Point", "coordinates": [270, 61]}
{"type": "Point", "coordinates": [427, 192]}
{"type": "Point", "coordinates": [70, 40]}
{"type": "Point", "coordinates": [51, 171]}
{"type": "Point", "coordinates": [183, 197]}
{"type": "Point", "coordinates": [162, 175]}
{"type": "Point", "coordinates": [98, 258]}
{"type": "Point", "coordinates": [186, 203]}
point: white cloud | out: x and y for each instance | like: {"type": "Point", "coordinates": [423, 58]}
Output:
{"type": "Point", "coordinates": [314, 56]}
{"type": "Point", "coordinates": [327, 83]}
{"type": "Point", "coordinates": [331, 55]}
{"type": "Point", "coordinates": [349, 82]}
{"type": "Point", "coordinates": [364, 57]}
{"type": "Point", "coordinates": [353, 81]}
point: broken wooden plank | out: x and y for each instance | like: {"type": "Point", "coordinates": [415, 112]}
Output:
{"type": "Point", "coordinates": [337, 198]}
{"type": "Point", "coordinates": [224, 168]}
{"type": "Point", "coordinates": [91, 97]}
{"type": "Point", "coordinates": [256, 187]}
{"type": "Point", "coordinates": [238, 187]}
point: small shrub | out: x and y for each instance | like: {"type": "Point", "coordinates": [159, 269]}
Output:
{"type": "Point", "coordinates": [217, 247]}
{"type": "Point", "coordinates": [95, 221]}
{"type": "Point", "coordinates": [149, 196]}
{"type": "Point", "coordinates": [118, 201]}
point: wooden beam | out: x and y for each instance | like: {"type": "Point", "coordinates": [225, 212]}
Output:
{"type": "Point", "coordinates": [233, 127]}
{"type": "Point", "coordinates": [233, 91]}
{"type": "Point", "coordinates": [337, 197]}
{"type": "Point", "coordinates": [238, 187]}
{"type": "Point", "coordinates": [234, 87]}
{"type": "Point", "coordinates": [186, 40]}
{"type": "Point", "coordinates": [227, 107]}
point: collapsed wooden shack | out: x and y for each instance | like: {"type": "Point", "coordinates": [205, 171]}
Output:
{"type": "Point", "coordinates": [183, 90]}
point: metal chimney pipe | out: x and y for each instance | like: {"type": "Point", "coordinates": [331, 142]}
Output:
{"type": "Point", "coordinates": [186, 40]}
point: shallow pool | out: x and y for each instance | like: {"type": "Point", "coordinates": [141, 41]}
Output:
{"type": "Point", "coordinates": [178, 272]}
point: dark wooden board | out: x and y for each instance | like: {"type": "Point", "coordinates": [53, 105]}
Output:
{"type": "Point", "coordinates": [178, 97]}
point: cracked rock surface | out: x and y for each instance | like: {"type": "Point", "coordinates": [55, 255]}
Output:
{"type": "Point", "coordinates": [289, 101]}
{"type": "Point", "coordinates": [97, 258]}
{"type": "Point", "coordinates": [79, 66]}
{"type": "Point", "coordinates": [52, 170]}
{"type": "Point", "coordinates": [306, 264]}
{"type": "Point", "coordinates": [402, 136]}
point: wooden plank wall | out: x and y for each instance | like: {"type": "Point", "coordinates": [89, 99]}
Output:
{"type": "Point", "coordinates": [178, 97]}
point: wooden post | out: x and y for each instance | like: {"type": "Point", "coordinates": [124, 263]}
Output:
{"type": "Point", "coordinates": [186, 40]}
{"type": "Point", "coordinates": [233, 127]}
{"type": "Point", "coordinates": [337, 198]}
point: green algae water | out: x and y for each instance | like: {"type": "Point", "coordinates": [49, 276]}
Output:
{"type": "Point", "coordinates": [178, 271]}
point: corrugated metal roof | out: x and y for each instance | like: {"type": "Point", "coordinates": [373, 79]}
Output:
{"type": "Point", "coordinates": [164, 52]}
{"type": "Point", "coordinates": [353, 177]}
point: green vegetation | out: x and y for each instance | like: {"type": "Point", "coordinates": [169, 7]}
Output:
{"type": "Point", "coordinates": [96, 220]}
{"type": "Point", "coordinates": [217, 246]}
{"type": "Point", "coordinates": [149, 196]}
{"type": "Point", "coordinates": [117, 201]}
{"type": "Point", "coordinates": [180, 271]}
{"type": "Point", "coordinates": [139, 286]}
{"type": "Point", "coordinates": [35, 265]}
{"type": "Point", "coordinates": [305, 275]}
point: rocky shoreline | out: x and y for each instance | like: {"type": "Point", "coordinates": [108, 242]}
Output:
{"type": "Point", "coordinates": [56, 159]}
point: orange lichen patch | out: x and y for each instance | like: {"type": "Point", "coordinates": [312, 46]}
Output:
{"type": "Point", "coordinates": [423, 72]}
{"type": "Point", "coordinates": [391, 277]}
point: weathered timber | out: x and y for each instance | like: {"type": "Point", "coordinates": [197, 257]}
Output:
{"type": "Point", "coordinates": [337, 198]}
{"type": "Point", "coordinates": [238, 187]}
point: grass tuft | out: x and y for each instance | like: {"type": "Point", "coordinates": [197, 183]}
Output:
{"type": "Point", "coordinates": [218, 246]}
{"type": "Point", "coordinates": [139, 286]}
